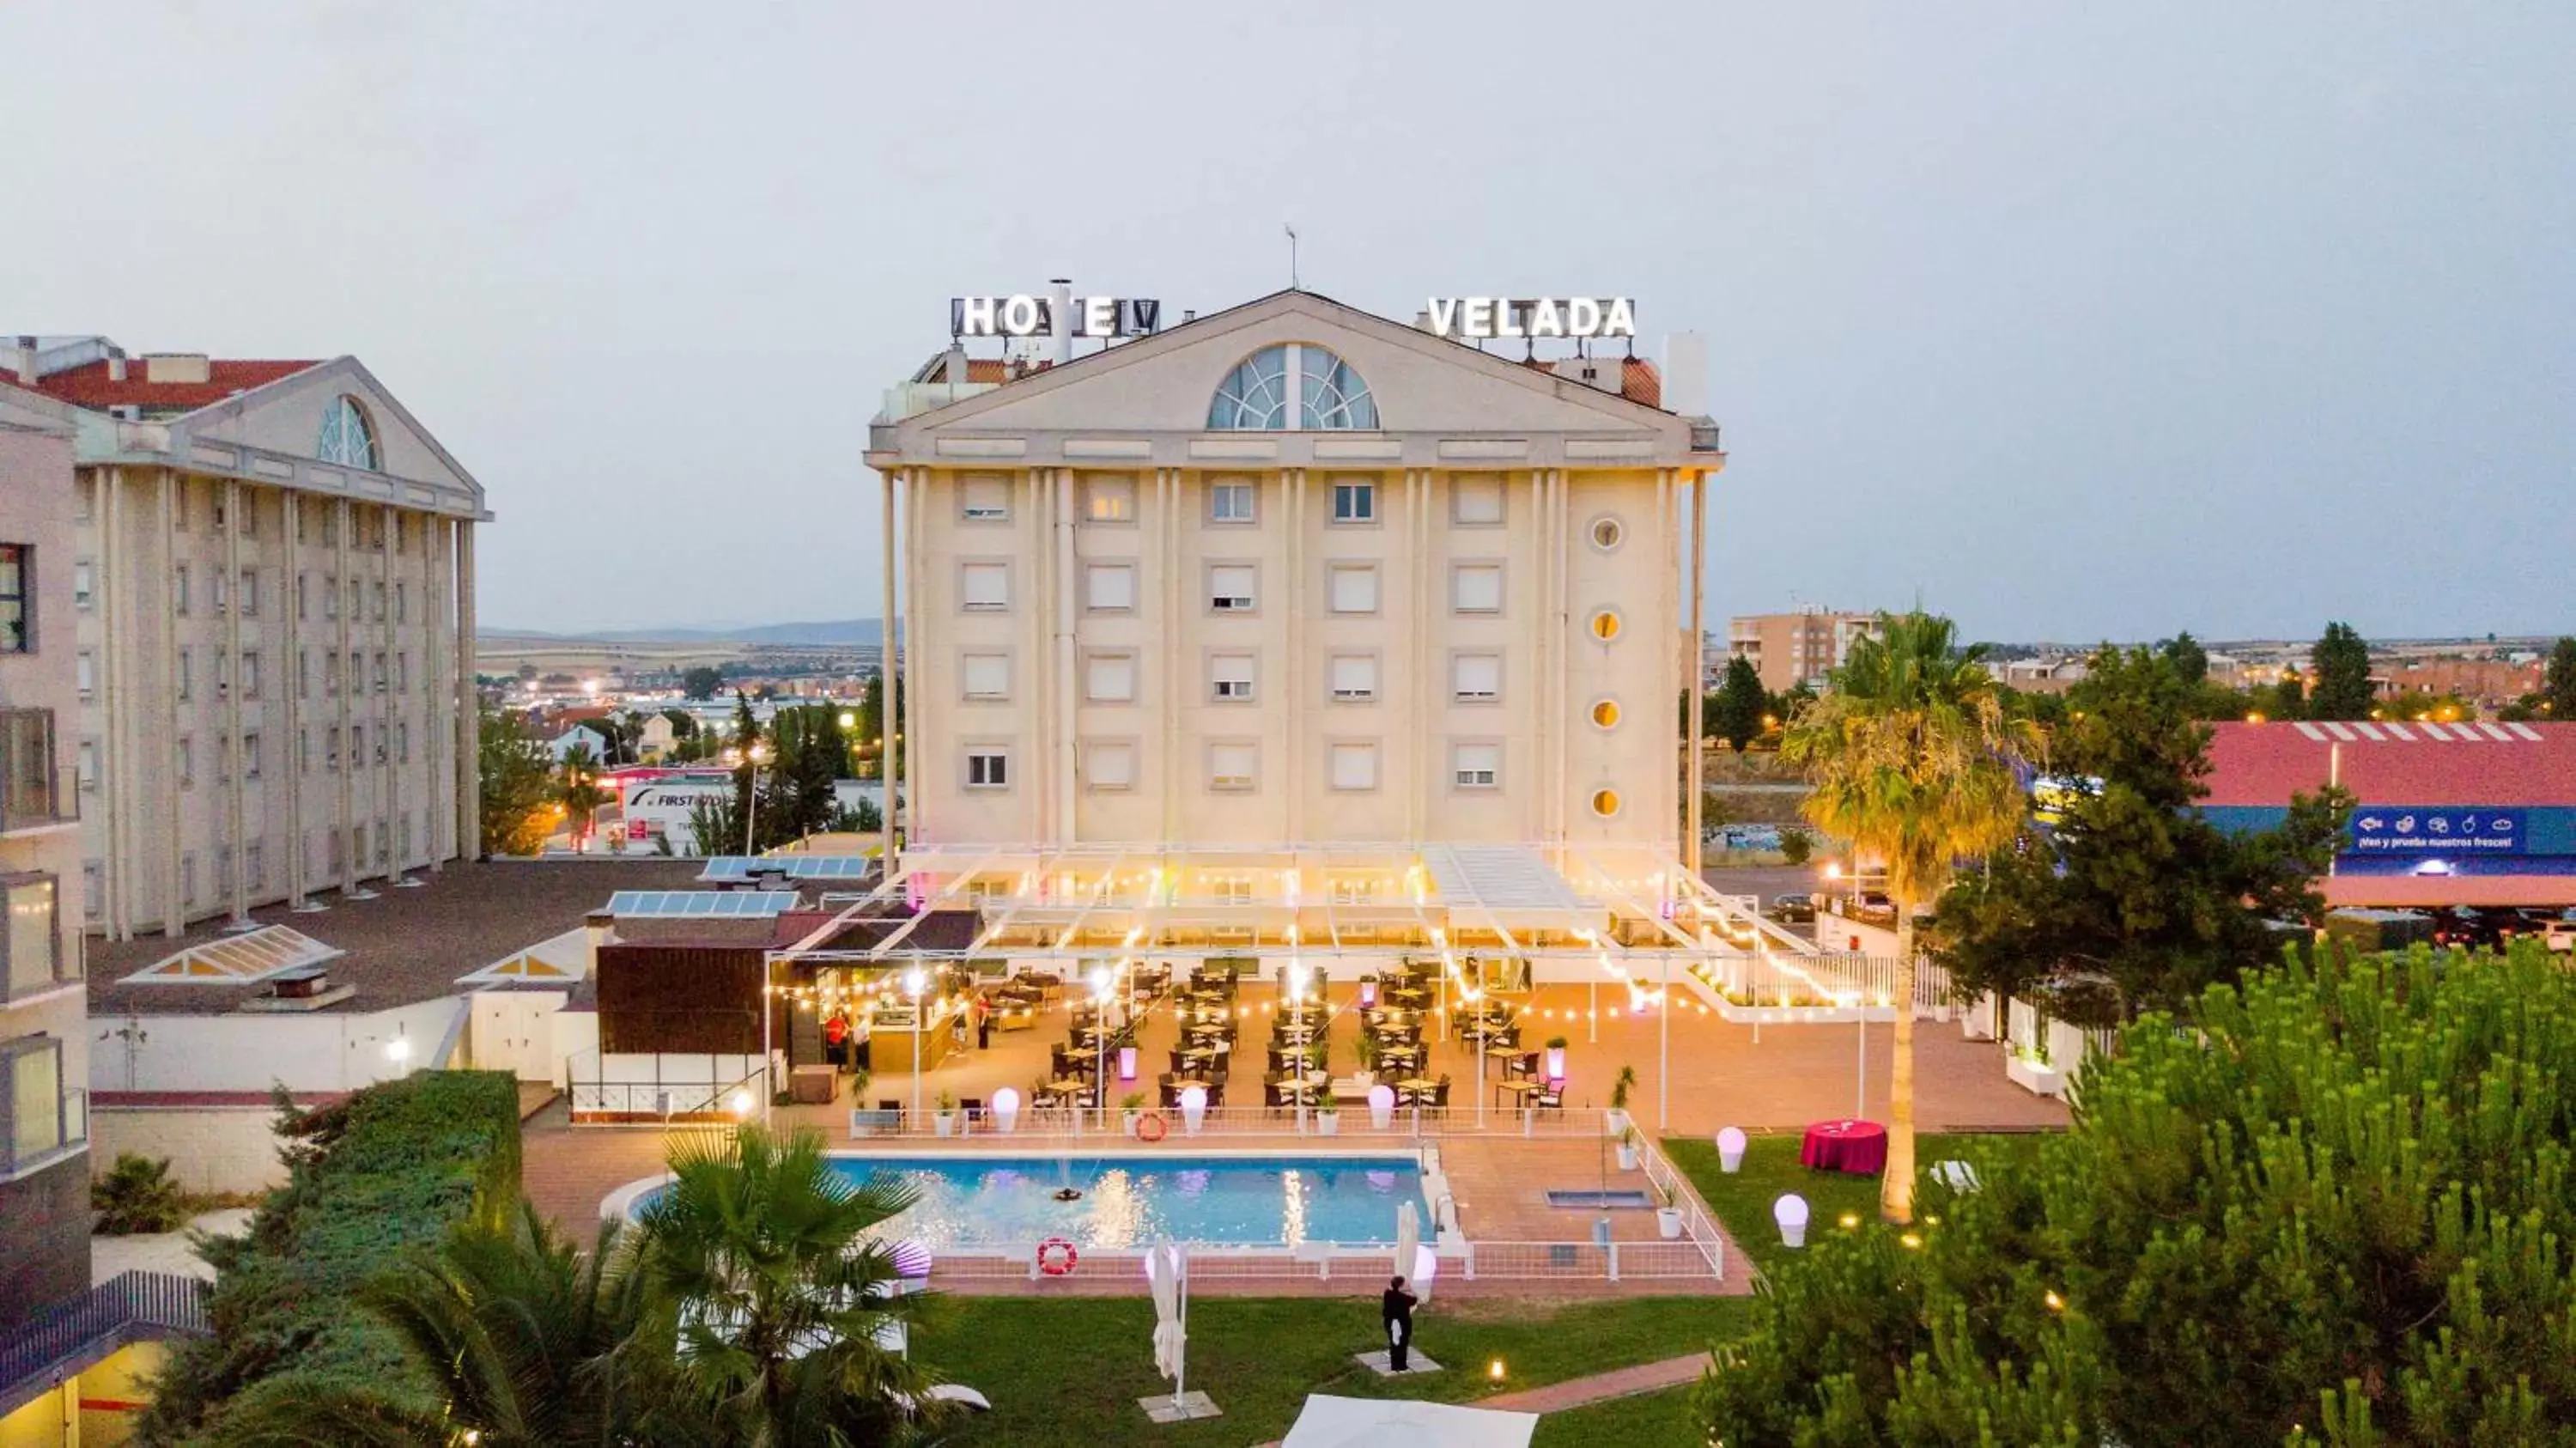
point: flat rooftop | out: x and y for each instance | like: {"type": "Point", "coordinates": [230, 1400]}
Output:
{"type": "Point", "coordinates": [404, 946]}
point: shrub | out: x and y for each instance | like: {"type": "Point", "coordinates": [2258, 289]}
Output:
{"type": "Point", "coordinates": [137, 1195]}
{"type": "Point", "coordinates": [370, 1177]}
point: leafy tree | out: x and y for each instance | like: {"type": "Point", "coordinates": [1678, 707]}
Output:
{"type": "Point", "coordinates": [1739, 704]}
{"type": "Point", "coordinates": [2417, 704]}
{"type": "Point", "coordinates": [715, 825]}
{"type": "Point", "coordinates": [2287, 699]}
{"type": "Point", "coordinates": [517, 787]}
{"type": "Point", "coordinates": [2558, 682]}
{"type": "Point", "coordinates": [1796, 845]}
{"type": "Point", "coordinates": [684, 725]}
{"type": "Point", "coordinates": [577, 788]}
{"type": "Point", "coordinates": [1913, 762]}
{"type": "Point", "coordinates": [2341, 663]}
{"type": "Point", "coordinates": [2130, 899]}
{"type": "Point", "coordinates": [759, 1269]}
{"type": "Point", "coordinates": [2190, 661]}
{"type": "Point", "coordinates": [2326, 1205]}
{"type": "Point", "coordinates": [701, 682]}
{"type": "Point", "coordinates": [871, 727]}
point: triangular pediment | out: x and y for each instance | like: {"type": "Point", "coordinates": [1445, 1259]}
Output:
{"type": "Point", "coordinates": [286, 416]}
{"type": "Point", "coordinates": [1421, 383]}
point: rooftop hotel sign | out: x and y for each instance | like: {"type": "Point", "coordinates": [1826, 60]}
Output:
{"type": "Point", "coordinates": [1481, 318]}
{"type": "Point", "coordinates": [1027, 316]}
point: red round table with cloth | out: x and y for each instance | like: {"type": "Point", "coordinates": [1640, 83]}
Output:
{"type": "Point", "coordinates": [1857, 1147]}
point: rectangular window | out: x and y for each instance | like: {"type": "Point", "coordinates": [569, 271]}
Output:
{"type": "Point", "coordinates": [330, 595]}
{"type": "Point", "coordinates": [85, 672]}
{"type": "Point", "coordinates": [402, 742]}
{"type": "Point", "coordinates": [1354, 502]}
{"type": "Point", "coordinates": [38, 1124]}
{"type": "Point", "coordinates": [1354, 890]}
{"type": "Point", "coordinates": [84, 584]}
{"type": "Point", "coordinates": [1110, 679]}
{"type": "Point", "coordinates": [1476, 678]}
{"type": "Point", "coordinates": [184, 667]}
{"type": "Point", "coordinates": [1354, 678]}
{"type": "Point", "coordinates": [1230, 502]}
{"type": "Point", "coordinates": [402, 673]}
{"type": "Point", "coordinates": [250, 593]}
{"type": "Point", "coordinates": [188, 878]}
{"type": "Point", "coordinates": [17, 598]}
{"type": "Point", "coordinates": [223, 673]}
{"type": "Point", "coordinates": [1109, 500]}
{"type": "Point", "coordinates": [358, 747]}
{"type": "Point", "coordinates": [303, 596]}
{"type": "Point", "coordinates": [988, 677]}
{"type": "Point", "coordinates": [985, 587]}
{"type": "Point", "coordinates": [179, 590]}
{"type": "Point", "coordinates": [381, 673]}
{"type": "Point", "coordinates": [1355, 766]}
{"type": "Point", "coordinates": [1230, 678]}
{"type": "Point", "coordinates": [1230, 889]}
{"type": "Point", "coordinates": [1477, 766]}
{"type": "Point", "coordinates": [250, 755]}
{"type": "Point", "coordinates": [304, 750]}
{"type": "Point", "coordinates": [34, 938]}
{"type": "Point", "coordinates": [1110, 766]}
{"type": "Point", "coordinates": [1476, 502]}
{"type": "Point", "coordinates": [250, 676]}
{"type": "Point", "coordinates": [223, 759]}
{"type": "Point", "coordinates": [1231, 767]}
{"type": "Point", "coordinates": [1354, 588]}
{"type": "Point", "coordinates": [93, 888]}
{"type": "Point", "coordinates": [219, 591]}
{"type": "Point", "coordinates": [255, 865]}
{"type": "Point", "coordinates": [988, 768]}
{"type": "Point", "coordinates": [357, 600]}
{"type": "Point", "coordinates": [187, 762]}
{"type": "Point", "coordinates": [85, 769]}
{"type": "Point", "coordinates": [1109, 587]}
{"type": "Point", "coordinates": [331, 754]}
{"type": "Point", "coordinates": [1230, 587]}
{"type": "Point", "coordinates": [985, 500]}
{"type": "Point", "coordinates": [1477, 587]}
{"type": "Point", "coordinates": [380, 593]}
{"type": "Point", "coordinates": [402, 601]}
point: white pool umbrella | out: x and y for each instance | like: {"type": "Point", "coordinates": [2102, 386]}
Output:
{"type": "Point", "coordinates": [1168, 1266]}
{"type": "Point", "coordinates": [1408, 1249]}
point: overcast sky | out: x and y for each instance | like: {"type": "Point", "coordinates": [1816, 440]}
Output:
{"type": "Point", "coordinates": [2070, 321]}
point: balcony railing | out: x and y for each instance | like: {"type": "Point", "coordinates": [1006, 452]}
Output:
{"type": "Point", "coordinates": [129, 1307]}
{"type": "Point", "coordinates": [34, 790]}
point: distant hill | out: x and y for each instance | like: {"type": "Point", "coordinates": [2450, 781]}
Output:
{"type": "Point", "coordinates": [839, 631]}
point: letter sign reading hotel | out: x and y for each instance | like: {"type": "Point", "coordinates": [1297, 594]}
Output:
{"type": "Point", "coordinates": [1026, 316]}
{"type": "Point", "coordinates": [1477, 318]}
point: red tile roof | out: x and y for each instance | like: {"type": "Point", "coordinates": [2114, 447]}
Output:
{"type": "Point", "coordinates": [1640, 382]}
{"type": "Point", "coordinates": [89, 385]}
{"type": "Point", "coordinates": [2264, 764]}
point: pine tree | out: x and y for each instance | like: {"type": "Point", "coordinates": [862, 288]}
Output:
{"type": "Point", "coordinates": [2329, 1205]}
{"type": "Point", "coordinates": [2340, 664]}
{"type": "Point", "coordinates": [1739, 703]}
{"type": "Point", "coordinates": [2558, 683]}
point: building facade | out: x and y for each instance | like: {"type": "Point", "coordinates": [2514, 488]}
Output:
{"type": "Point", "coordinates": [1287, 610]}
{"type": "Point", "coordinates": [44, 1035]}
{"type": "Point", "coordinates": [272, 578]}
{"type": "Point", "coordinates": [1789, 649]}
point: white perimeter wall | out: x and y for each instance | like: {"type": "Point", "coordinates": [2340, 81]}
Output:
{"type": "Point", "coordinates": [210, 1149]}
{"type": "Point", "coordinates": [325, 1051]}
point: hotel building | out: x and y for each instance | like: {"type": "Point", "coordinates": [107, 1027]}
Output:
{"type": "Point", "coordinates": [1296, 630]}
{"type": "Point", "coordinates": [271, 578]}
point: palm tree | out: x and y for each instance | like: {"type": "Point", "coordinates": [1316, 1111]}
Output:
{"type": "Point", "coordinates": [1913, 762]}
{"type": "Point", "coordinates": [579, 791]}
{"type": "Point", "coordinates": [756, 1259]}
{"type": "Point", "coordinates": [524, 1340]}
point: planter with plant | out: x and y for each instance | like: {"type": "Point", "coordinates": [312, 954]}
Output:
{"type": "Point", "coordinates": [1668, 1209]}
{"type": "Point", "coordinates": [1627, 1148]}
{"type": "Point", "coordinates": [1130, 1107]}
{"type": "Point", "coordinates": [137, 1195]}
{"type": "Point", "coordinates": [1556, 1058]}
{"type": "Point", "coordinates": [1620, 1086]}
{"type": "Point", "coordinates": [945, 1119]}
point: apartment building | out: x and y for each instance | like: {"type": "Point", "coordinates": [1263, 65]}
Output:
{"type": "Point", "coordinates": [1286, 609]}
{"type": "Point", "coordinates": [44, 1036]}
{"type": "Point", "coordinates": [1789, 649]}
{"type": "Point", "coordinates": [272, 580]}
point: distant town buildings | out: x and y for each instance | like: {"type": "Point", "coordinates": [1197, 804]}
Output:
{"type": "Point", "coordinates": [1801, 647]}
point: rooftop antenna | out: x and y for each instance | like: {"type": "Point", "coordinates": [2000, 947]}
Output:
{"type": "Point", "coordinates": [1292, 254]}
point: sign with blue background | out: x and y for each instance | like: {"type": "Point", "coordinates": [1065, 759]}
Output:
{"type": "Point", "coordinates": [2438, 830]}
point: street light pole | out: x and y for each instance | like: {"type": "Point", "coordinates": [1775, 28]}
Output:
{"type": "Point", "coordinates": [912, 986]}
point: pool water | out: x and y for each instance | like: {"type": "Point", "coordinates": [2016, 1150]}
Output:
{"type": "Point", "coordinates": [966, 1202]}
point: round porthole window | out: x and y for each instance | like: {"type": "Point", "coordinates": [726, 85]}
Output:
{"type": "Point", "coordinates": [1605, 624]}
{"type": "Point", "coordinates": [1608, 533]}
{"type": "Point", "coordinates": [1605, 713]}
{"type": "Point", "coordinates": [1605, 802]}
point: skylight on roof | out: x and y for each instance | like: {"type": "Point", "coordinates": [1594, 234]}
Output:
{"type": "Point", "coordinates": [237, 959]}
{"type": "Point", "coordinates": [701, 904]}
{"type": "Point", "coordinates": [724, 868]}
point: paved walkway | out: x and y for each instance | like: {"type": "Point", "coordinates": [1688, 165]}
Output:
{"type": "Point", "coordinates": [1601, 1387]}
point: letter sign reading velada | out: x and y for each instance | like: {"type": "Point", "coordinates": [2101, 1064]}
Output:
{"type": "Point", "coordinates": [1482, 318]}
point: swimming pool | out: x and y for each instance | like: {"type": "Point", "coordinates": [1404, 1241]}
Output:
{"type": "Point", "coordinates": [967, 1202]}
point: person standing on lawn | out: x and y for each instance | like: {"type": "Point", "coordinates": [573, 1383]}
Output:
{"type": "Point", "coordinates": [1396, 1307]}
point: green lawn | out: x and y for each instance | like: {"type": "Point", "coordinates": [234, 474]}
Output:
{"type": "Point", "coordinates": [1069, 1370]}
{"type": "Point", "coordinates": [1649, 1420]}
{"type": "Point", "coordinates": [1743, 1201]}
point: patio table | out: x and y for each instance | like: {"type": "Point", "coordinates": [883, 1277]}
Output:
{"type": "Point", "coordinates": [1858, 1148]}
{"type": "Point", "coordinates": [1517, 1087]}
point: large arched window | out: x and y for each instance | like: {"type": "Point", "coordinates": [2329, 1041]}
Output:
{"type": "Point", "coordinates": [346, 437]}
{"type": "Point", "coordinates": [1292, 387]}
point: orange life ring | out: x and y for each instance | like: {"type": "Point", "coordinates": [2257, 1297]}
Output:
{"type": "Point", "coordinates": [1056, 1257]}
{"type": "Point", "coordinates": [1151, 1126]}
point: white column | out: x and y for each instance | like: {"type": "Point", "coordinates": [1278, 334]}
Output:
{"type": "Point", "coordinates": [1292, 703]}
{"type": "Point", "coordinates": [908, 512]}
{"type": "Point", "coordinates": [885, 674]}
{"type": "Point", "coordinates": [112, 564]}
{"type": "Point", "coordinates": [1061, 600]}
{"type": "Point", "coordinates": [291, 678]}
{"type": "Point", "coordinates": [174, 911]}
{"type": "Point", "coordinates": [343, 519]}
{"type": "Point", "coordinates": [1698, 674]}
{"type": "Point", "coordinates": [1169, 774]}
{"type": "Point", "coordinates": [469, 720]}
{"type": "Point", "coordinates": [236, 834]}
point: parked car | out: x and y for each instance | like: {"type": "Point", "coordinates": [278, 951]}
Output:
{"type": "Point", "coordinates": [1875, 909]}
{"type": "Point", "coordinates": [1795, 909]}
{"type": "Point", "coordinates": [2463, 927]}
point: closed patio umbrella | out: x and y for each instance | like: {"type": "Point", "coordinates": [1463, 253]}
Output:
{"type": "Point", "coordinates": [1408, 1249]}
{"type": "Point", "coordinates": [1168, 1267]}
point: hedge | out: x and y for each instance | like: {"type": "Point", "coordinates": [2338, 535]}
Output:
{"type": "Point", "coordinates": [382, 1171]}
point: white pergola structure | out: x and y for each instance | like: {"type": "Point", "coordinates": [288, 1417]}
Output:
{"type": "Point", "coordinates": [1497, 916]}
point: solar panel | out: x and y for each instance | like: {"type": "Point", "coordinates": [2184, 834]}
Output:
{"type": "Point", "coordinates": [701, 904]}
{"type": "Point", "coordinates": [723, 869]}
